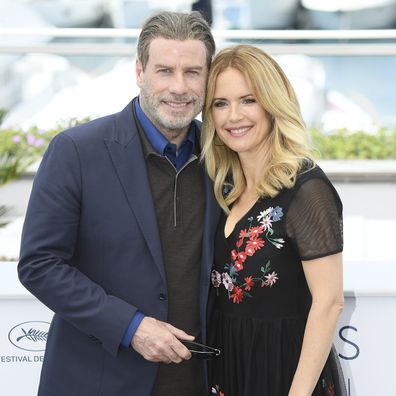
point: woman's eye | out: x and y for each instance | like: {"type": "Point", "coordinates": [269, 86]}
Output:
{"type": "Point", "coordinates": [249, 100]}
{"type": "Point", "coordinates": [219, 104]}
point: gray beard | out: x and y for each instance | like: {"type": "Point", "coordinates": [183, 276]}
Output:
{"type": "Point", "coordinates": [173, 126]}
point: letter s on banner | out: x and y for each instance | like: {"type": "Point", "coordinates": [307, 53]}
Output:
{"type": "Point", "coordinates": [343, 338]}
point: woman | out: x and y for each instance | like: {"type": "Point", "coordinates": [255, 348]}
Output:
{"type": "Point", "coordinates": [277, 276]}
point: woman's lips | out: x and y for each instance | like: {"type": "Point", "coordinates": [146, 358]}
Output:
{"type": "Point", "coordinates": [240, 131]}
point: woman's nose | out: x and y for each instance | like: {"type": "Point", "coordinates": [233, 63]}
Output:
{"type": "Point", "coordinates": [235, 113]}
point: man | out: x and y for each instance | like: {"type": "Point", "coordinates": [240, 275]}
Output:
{"type": "Point", "coordinates": [118, 234]}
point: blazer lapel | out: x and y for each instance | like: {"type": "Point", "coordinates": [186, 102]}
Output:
{"type": "Point", "coordinates": [128, 159]}
{"type": "Point", "coordinates": [212, 213]}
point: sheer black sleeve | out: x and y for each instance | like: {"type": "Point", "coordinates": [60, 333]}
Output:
{"type": "Point", "coordinates": [314, 220]}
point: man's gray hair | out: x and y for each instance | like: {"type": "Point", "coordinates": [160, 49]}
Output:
{"type": "Point", "coordinates": [175, 26]}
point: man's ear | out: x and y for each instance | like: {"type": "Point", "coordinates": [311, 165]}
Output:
{"type": "Point", "coordinates": [139, 72]}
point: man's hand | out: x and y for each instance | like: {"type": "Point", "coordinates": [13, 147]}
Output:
{"type": "Point", "coordinates": [158, 341]}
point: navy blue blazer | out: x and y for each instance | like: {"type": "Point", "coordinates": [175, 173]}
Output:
{"type": "Point", "coordinates": [91, 252]}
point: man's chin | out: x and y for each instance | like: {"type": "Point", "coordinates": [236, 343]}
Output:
{"type": "Point", "coordinates": [177, 122]}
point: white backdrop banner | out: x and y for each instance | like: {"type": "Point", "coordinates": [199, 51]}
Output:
{"type": "Point", "coordinates": [24, 327]}
{"type": "Point", "coordinates": [364, 339]}
{"type": "Point", "coordinates": [365, 342]}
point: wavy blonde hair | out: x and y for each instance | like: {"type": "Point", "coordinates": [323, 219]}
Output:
{"type": "Point", "coordinates": [288, 140]}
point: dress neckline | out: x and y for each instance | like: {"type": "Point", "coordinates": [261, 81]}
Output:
{"type": "Point", "coordinates": [243, 217]}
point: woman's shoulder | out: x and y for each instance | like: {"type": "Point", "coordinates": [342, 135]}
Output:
{"type": "Point", "coordinates": [310, 170]}
{"type": "Point", "coordinates": [311, 177]}
{"type": "Point", "coordinates": [312, 182]}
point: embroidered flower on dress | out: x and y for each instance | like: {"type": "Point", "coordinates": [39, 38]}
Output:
{"type": "Point", "coordinates": [271, 279]}
{"type": "Point", "coordinates": [234, 255]}
{"type": "Point", "coordinates": [278, 242]}
{"type": "Point", "coordinates": [238, 266]}
{"type": "Point", "coordinates": [276, 213]}
{"type": "Point", "coordinates": [330, 391]}
{"type": "Point", "coordinates": [243, 234]}
{"type": "Point", "coordinates": [254, 237]}
{"type": "Point", "coordinates": [254, 244]}
{"type": "Point", "coordinates": [237, 295]}
{"type": "Point", "coordinates": [216, 278]}
{"type": "Point", "coordinates": [254, 232]}
{"type": "Point", "coordinates": [249, 283]}
{"type": "Point", "coordinates": [241, 257]}
{"type": "Point", "coordinates": [264, 213]}
{"type": "Point", "coordinates": [216, 390]}
{"type": "Point", "coordinates": [266, 222]}
{"type": "Point", "coordinates": [328, 388]}
{"type": "Point", "coordinates": [249, 250]}
{"type": "Point", "coordinates": [227, 281]}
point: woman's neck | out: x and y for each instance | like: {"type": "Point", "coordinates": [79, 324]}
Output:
{"type": "Point", "coordinates": [253, 171]}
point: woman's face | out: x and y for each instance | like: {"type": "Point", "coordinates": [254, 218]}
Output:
{"type": "Point", "coordinates": [241, 123]}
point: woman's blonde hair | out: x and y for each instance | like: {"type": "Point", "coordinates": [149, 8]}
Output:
{"type": "Point", "coordinates": [288, 141]}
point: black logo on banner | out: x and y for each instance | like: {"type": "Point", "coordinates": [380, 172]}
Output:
{"type": "Point", "coordinates": [29, 336]}
{"type": "Point", "coordinates": [343, 338]}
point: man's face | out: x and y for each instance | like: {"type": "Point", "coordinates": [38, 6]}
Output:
{"type": "Point", "coordinates": [172, 86]}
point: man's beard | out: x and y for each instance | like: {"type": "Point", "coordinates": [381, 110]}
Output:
{"type": "Point", "coordinates": [164, 120]}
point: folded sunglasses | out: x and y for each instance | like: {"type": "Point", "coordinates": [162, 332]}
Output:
{"type": "Point", "coordinates": [201, 351]}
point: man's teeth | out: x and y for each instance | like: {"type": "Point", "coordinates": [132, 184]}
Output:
{"type": "Point", "coordinates": [177, 105]}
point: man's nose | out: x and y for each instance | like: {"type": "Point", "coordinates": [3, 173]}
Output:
{"type": "Point", "coordinates": [178, 85]}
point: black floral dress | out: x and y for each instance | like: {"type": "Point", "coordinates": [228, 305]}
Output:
{"type": "Point", "coordinates": [260, 294]}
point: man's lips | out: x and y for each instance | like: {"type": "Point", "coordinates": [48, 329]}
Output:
{"type": "Point", "coordinates": [176, 105]}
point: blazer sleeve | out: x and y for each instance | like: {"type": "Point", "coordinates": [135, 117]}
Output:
{"type": "Point", "coordinates": [49, 239]}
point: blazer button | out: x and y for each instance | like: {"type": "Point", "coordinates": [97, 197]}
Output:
{"type": "Point", "coordinates": [162, 297]}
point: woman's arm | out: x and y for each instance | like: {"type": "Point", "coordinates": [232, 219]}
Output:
{"type": "Point", "coordinates": [324, 278]}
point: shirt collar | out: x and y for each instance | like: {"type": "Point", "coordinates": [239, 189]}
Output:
{"type": "Point", "coordinates": [156, 138]}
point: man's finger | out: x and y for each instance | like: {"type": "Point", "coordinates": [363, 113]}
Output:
{"type": "Point", "coordinates": [157, 341]}
{"type": "Point", "coordinates": [181, 350]}
{"type": "Point", "coordinates": [178, 333]}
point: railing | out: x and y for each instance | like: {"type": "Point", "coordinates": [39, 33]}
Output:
{"type": "Point", "coordinates": [308, 42]}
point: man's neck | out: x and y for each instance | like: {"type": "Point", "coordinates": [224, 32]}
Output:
{"type": "Point", "coordinates": [174, 136]}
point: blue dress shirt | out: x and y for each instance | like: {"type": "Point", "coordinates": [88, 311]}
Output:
{"type": "Point", "coordinates": [162, 145]}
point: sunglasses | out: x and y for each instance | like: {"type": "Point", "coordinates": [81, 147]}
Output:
{"type": "Point", "coordinates": [201, 351]}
